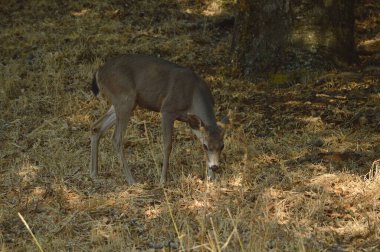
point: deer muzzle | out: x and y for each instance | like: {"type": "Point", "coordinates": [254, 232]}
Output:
{"type": "Point", "coordinates": [216, 168]}
{"type": "Point", "coordinates": [213, 162]}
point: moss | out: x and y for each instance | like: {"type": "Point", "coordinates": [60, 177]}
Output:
{"type": "Point", "coordinates": [291, 77]}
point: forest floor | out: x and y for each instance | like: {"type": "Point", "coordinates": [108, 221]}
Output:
{"type": "Point", "coordinates": [299, 163]}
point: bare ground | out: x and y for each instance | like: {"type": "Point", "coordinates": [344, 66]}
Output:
{"type": "Point", "coordinates": [299, 171]}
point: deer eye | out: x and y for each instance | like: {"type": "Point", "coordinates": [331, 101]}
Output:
{"type": "Point", "coordinates": [205, 147]}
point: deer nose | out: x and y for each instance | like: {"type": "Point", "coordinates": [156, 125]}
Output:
{"type": "Point", "coordinates": [215, 168]}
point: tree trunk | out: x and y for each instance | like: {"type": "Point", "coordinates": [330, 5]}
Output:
{"type": "Point", "coordinates": [290, 35]}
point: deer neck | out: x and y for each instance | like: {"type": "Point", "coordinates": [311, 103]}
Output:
{"type": "Point", "coordinates": [202, 106]}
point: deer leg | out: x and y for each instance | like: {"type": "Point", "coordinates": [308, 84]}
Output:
{"type": "Point", "coordinates": [97, 130]}
{"type": "Point", "coordinates": [167, 134]}
{"type": "Point", "coordinates": [123, 113]}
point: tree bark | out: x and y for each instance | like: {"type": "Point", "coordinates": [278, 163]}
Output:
{"type": "Point", "coordinates": [287, 35]}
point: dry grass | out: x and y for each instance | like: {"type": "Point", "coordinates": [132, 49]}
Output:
{"type": "Point", "coordinates": [295, 158]}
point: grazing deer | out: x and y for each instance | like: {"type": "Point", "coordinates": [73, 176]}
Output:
{"type": "Point", "coordinates": [161, 86]}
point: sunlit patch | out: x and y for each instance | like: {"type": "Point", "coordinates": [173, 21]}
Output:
{"type": "Point", "coordinates": [79, 118]}
{"type": "Point", "coordinates": [152, 213]}
{"type": "Point", "coordinates": [38, 191]}
{"type": "Point", "coordinates": [347, 229]}
{"type": "Point", "coordinates": [72, 198]}
{"type": "Point", "coordinates": [214, 8]}
{"type": "Point", "coordinates": [237, 181]}
{"type": "Point", "coordinates": [342, 185]}
{"type": "Point", "coordinates": [374, 173]}
{"type": "Point", "coordinates": [79, 13]}
{"type": "Point", "coordinates": [313, 123]}
{"type": "Point", "coordinates": [278, 204]}
{"type": "Point", "coordinates": [312, 119]}
{"type": "Point", "coordinates": [325, 180]}
{"type": "Point", "coordinates": [103, 232]}
{"type": "Point", "coordinates": [196, 204]}
{"type": "Point", "coordinates": [28, 172]}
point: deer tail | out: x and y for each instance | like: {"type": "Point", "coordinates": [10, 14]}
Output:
{"type": "Point", "coordinates": [94, 85]}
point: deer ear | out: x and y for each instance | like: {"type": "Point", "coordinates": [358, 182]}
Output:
{"type": "Point", "coordinates": [194, 122]}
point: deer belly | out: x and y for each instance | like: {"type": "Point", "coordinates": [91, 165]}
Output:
{"type": "Point", "coordinates": [149, 103]}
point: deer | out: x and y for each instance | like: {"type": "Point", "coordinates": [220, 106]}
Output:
{"type": "Point", "coordinates": [176, 92]}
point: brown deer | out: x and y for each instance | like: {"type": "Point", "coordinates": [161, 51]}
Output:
{"type": "Point", "coordinates": [161, 86]}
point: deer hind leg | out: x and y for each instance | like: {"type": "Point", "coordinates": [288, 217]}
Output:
{"type": "Point", "coordinates": [167, 135]}
{"type": "Point", "coordinates": [97, 130]}
{"type": "Point", "coordinates": [123, 114]}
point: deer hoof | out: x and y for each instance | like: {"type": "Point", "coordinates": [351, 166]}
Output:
{"type": "Point", "coordinates": [131, 182]}
{"type": "Point", "coordinates": [162, 182]}
{"type": "Point", "coordinates": [93, 175]}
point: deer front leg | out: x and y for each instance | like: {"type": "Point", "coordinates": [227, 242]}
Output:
{"type": "Point", "coordinates": [123, 113]}
{"type": "Point", "coordinates": [167, 134]}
